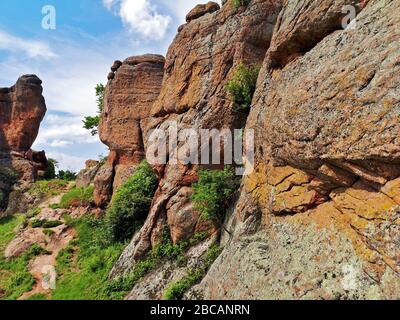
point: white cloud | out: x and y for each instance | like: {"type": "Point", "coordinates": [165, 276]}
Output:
{"type": "Point", "coordinates": [62, 131]}
{"type": "Point", "coordinates": [67, 162]}
{"type": "Point", "coordinates": [31, 48]}
{"type": "Point", "coordinates": [141, 17]}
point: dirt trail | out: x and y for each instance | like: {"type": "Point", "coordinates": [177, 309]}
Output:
{"type": "Point", "coordinates": [43, 266]}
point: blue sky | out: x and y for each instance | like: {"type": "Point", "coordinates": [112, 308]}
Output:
{"type": "Point", "coordinates": [73, 58]}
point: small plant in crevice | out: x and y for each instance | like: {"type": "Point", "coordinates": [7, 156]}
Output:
{"type": "Point", "coordinates": [242, 86]}
{"type": "Point", "coordinates": [240, 3]}
{"type": "Point", "coordinates": [213, 192]}
{"type": "Point", "coordinates": [131, 203]}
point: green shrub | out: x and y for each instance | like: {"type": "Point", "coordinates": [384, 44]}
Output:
{"type": "Point", "coordinates": [48, 232]}
{"type": "Point", "coordinates": [239, 3]}
{"type": "Point", "coordinates": [131, 203]}
{"type": "Point", "coordinates": [33, 212]}
{"type": "Point", "coordinates": [47, 224]}
{"type": "Point", "coordinates": [77, 197]}
{"type": "Point", "coordinates": [213, 192]}
{"type": "Point", "coordinates": [242, 86]}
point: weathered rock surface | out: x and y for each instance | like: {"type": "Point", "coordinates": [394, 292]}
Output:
{"type": "Point", "coordinates": [199, 63]}
{"type": "Point", "coordinates": [22, 109]}
{"type": "Point", "coordinates": [202, 9]}
{"type": "Point", "coordinates": [86, 176]}
{"type": "Point", "coordinates": [319, 217]}
{"type": "Point", "coordinates": [128, 98]}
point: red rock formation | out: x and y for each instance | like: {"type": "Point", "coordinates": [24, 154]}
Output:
{"type": "Point", "coordinates": [321, 211]}
{"type": "Point", "coordinates": [129, 95]}
{"type": "Point", "coordinates": [199, 63]}
{"type": "Point", "coordinates": [22, 109]}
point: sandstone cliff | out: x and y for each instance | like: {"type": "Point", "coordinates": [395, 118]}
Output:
{"type": "Point", "coordinates": [319, 219]}
{"type": "Point", "coordinates": [319, 216]}
{"type": "Point", "coordinates": [133, 87]}
{"type": "Point", "coordinates": [22, 110]}
{"type": "Point", "coordinates": [198, 65]}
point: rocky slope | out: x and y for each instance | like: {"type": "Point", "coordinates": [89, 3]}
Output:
{"type": "Point", "coordinates": [22, 109]}
{"type": "Point", "coordinates": [199, 63]}
{"type": "Point", "coordinates": [319, 218]}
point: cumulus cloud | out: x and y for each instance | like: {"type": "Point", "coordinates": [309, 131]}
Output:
{"type": "Point", "coordinates": [67, 162]}
{"type": "Point", "coordinates": [60, 131]}
{"type": "Point", "coordinates": [31, 48]}
{"type": "Point", "coordinates": [141, 17]}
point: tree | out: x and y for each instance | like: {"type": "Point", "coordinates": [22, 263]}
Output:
{"type": "Point", "coordinates": [50, 172]}
{"type": "Point", "coordinates": [92, 122]}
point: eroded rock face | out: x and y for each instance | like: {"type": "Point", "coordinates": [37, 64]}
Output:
{"type": "Point", "coordinates": [22, 109]}
{"type": "Point", "coordinates": [323, 203]}
{"type": "Point", "coordinates": [129, 95]}
{"type": "Point", "coordinates": [199, 63]}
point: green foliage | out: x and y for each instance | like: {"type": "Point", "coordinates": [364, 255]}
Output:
{"type": "Point", "coordinates": [33, 212]}
{"type": "Point", "coordinates": [84, 265]}
{"type": "Point", "coordinates": [242, 86]}
{"type": "Point", "coordinates": [131, 203]}
{"type": "Point", "coordinates": [176, 290]}
{"type": "Point", "coordinates": [48, 232]}
{"type": "Point", "coordinates": [46, 188]}
{"type": "Point", "coordinates": [77, 197]}
{"type": "Point", "coordinates": [15, 278]}
{"type": "Point", "coordinates": [161, 251]}
{"type": "Point", "coordinates": [37, 297]}
{"type": "Point", "coordinates": [67, 175]}
{"type": "Point", "coordinates": [50, 172]}
{"type": "Point", "coordinates": [213, 192]}
{"type": "Point", "coordinates": [92, 123]}
{"type": "Point", "coordinates": [240, 3]}
{"type": "Point", "coordinates": [47, 224]}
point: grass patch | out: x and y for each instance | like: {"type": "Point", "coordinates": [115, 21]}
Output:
{"type": "Point", "coordinates": [15, 278]}
{"type": "Point", "coordinates": [47, 188]}
{"type": "Point", "coordinates": [84, 265]}
{"type": "Point", "coordinates": [47, 224]}
{"type": "Point", "coordinates": [37, 297]}
{"type": "Point", "coordinates": [77, 197]}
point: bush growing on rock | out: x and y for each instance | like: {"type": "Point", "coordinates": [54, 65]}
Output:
{"type": "Point", "coordinates": [131, 203]}
{"type": "Point", "coordinates": [242, 86]}
{"type": "Point", "coordinates": [240, 3]}
{"type": "Point", "coordinates": [213, 192]}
